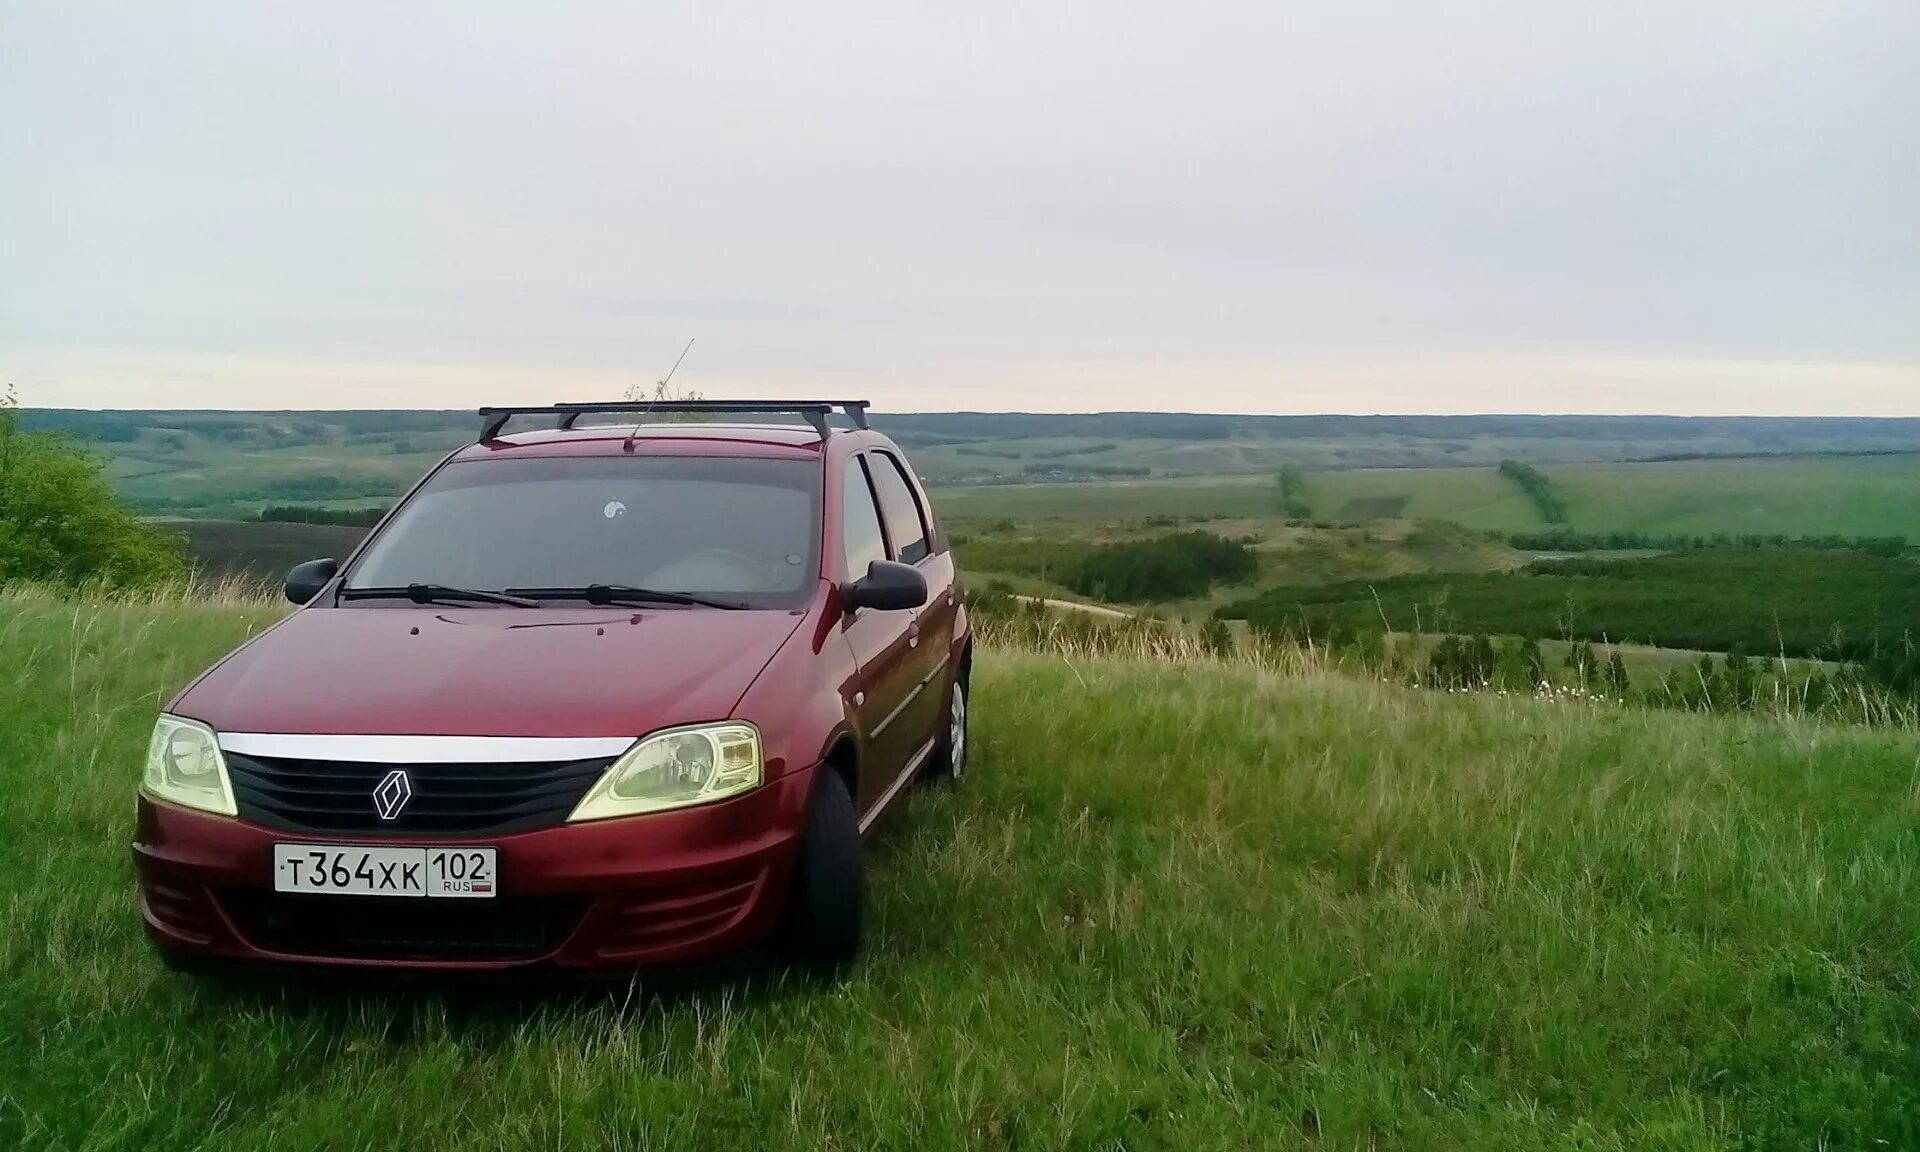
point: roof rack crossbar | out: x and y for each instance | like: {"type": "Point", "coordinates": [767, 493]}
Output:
{"type": "Point", "coordinates": [494, 419]}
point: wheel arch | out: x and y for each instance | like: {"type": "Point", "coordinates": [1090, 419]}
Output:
{"type": "Point", "coordinates": [843, 760]}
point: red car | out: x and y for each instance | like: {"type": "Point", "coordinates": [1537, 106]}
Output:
{"type": "Point", "coordinates": [589, 697]}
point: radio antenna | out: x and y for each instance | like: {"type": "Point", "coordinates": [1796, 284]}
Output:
{"type": "Point", "coordinates": [676, 366]}
{"type": "Point", "coordinates": [659, 394]}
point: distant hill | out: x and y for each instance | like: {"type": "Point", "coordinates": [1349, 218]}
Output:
{"type": "Point", "coordinates": [1661, 437]}
{"type": "Point", "coordinates": [226, 463]}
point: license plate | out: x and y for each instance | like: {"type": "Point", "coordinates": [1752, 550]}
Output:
{"type": "Point", "coordinates": [363, 871]}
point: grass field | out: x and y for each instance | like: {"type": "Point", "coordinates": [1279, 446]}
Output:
{"type": "Point", "coordinates": [1038, 559]}
{"type": "Point", "coordinates": [1473, 497]}
{"type": "Point", "coordinates": [1139, 465]}
{"type": "Point", "coordinates": [1807, 496]}
{"type": "Point", "coordinates": [1853, 496]}
{"type": "Point", "coordinates": [1244, 496]}
{"type": "Point", "coordinates": [260, 550]}
{"type": "Point", "coordinates": [1180, 907]}
{"type": "Point", "coordinates": [1860, 496]}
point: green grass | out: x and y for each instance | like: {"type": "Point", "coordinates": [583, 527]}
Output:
{"type": "Point", "coordinates": [1473, 497]}
{"type": "Point", "coordinates": [1860, 496]}
{"type": "Point", "coordinates": [1114, 500]}
{"type": "Point", "coordinates": [1180, 907]}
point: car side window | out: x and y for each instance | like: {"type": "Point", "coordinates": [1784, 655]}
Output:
{"type": "Point", "coordinates": [906, 523]}
{"type": "Point", "coordinates": [859, 521]}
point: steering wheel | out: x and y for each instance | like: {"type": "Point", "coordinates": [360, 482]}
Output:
{"type": "Point", "coordinates": [720, 569]}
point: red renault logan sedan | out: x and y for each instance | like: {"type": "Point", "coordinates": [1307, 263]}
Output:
{"type": "Point", "coordinates": [589, 697]}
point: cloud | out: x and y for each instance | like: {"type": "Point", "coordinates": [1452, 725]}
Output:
{"type": "Point", "coordinates": [1341, 206]}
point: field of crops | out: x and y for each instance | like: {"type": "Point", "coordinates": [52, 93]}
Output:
{"type": "Point", "coordinates": [1181, 907]}
{"type": "Point", "coordinates": [1869, 495]}
{"type": "Point", "coordinates": [1864, 496]}
{"type": "Point", "coordinates": [253, 550]}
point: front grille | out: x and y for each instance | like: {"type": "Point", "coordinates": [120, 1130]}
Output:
{"type": "Point", "coordinates": [398, 928]}
{"type": "Point", "coordinates": [336, 796]}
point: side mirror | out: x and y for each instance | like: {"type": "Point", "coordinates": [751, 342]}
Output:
{"type": "Point", "coordinates": [888, 586]}
{"type": "Point", "coordinates": [306, 580]}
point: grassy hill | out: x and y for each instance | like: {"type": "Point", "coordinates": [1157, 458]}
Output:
{"type": "Point", "coordinates": [227, 463]}
{"type": "Point", "coordinates": [1177, 906]}
{"type": "Point", "coordinates": [1040, 557]}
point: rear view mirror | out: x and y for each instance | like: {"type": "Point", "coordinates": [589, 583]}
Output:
{"type": "Point", "coordinates": [888, 586]}
{"type": "Point", "coordinates": [306, 580]}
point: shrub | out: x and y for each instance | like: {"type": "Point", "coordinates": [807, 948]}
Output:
{"type": "Point", "coordinates": [307, 514]}
{"type": "Point", "coordinates": [60, 521]}
{"type": "Point", "coordinates": [1165, 568]}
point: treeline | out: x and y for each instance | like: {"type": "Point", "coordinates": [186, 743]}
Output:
{"type": "Point", "coordinates": [325, 487]}
{"type": "Point", "coordinates": [1564, 540]}
{"type": "Point", "coordinates": [1845, 606]}
{"type": "Point", "coordinates": [1076, 468]}
{"type": "Point", "coordinates": [1171, 567]}
{"type": "Point", "coordinates": [1532, 482]}
{"type": "Point", "coordinates": [1294, 501]}
{"type": "Point", "coordinates": [1084, 450]}
{"type": "Point", "coordinates": [1686, 436]}
{"type": "Point", "coordinates": [306, 514]}
{"type": "Point", "coordinates": [265, 430]}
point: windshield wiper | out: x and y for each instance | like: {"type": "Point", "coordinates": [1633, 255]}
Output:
{"type": "Point", "coordinates": [626, 594]}
{"type": "Point", "coordinates": [431, 593]}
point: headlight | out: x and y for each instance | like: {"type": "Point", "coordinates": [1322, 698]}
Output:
{"type": "Point", "coordinates": [184, 767]}
{"type": "Point", "coordinates": [676, 769]}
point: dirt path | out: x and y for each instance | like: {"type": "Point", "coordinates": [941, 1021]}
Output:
{"type": "Point", "coordinates": [1095, 609]}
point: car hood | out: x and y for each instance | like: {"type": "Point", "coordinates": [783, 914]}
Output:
{"type": "Point", "coordinates": [488, 671]}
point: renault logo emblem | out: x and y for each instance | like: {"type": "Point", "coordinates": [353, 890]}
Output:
{"type": "Point", "coordinates": [392, 794]}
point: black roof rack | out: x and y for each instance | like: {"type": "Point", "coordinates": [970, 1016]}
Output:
{"type": "Point", "coordinates": [492, 420]}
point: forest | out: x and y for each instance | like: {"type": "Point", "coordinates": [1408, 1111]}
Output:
{"type": "Point", "coordinates": [1170, 567]}
{"type": "Point", "coordinates": [1822, 605]}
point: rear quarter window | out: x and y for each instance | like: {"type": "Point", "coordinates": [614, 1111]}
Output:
{"type": "Point", "coordinates": [906, 521]}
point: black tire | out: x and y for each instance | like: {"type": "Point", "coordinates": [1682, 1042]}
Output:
{"type": "Point", "coordinates": [949, 759]}
{"type": "Point", "coordinates": [185, 963]}
{"type": "Point", "coordinates": [829, 893]}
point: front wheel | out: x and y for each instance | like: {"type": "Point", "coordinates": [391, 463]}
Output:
{"type": "Point", "coordinates": [821, 932]}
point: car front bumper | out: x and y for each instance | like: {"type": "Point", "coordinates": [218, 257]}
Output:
{"type": "Point", "coordinates": [661, 890]}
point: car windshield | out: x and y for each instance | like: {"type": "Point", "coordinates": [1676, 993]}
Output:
{"type": "Point", "coordinates": [730, 529]}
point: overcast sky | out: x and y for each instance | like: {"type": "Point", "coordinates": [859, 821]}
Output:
{"type": "Point", "coordinates": [1342, 206]}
